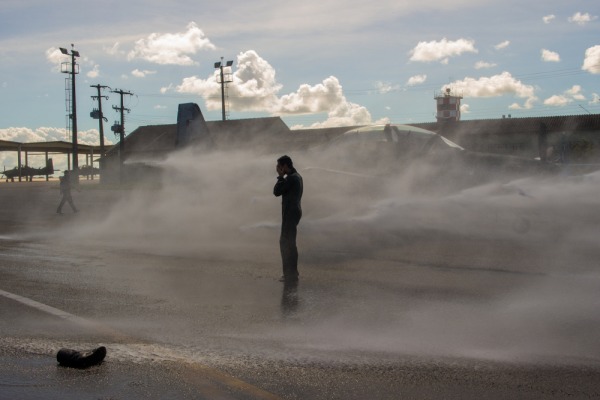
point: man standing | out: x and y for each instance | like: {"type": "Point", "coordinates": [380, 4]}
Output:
{"type": "Point", "coordinates": [65, 191]}
{"type": "Point", "coordinates": [289, 186]}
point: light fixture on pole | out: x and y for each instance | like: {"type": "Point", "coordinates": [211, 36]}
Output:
{"type": "Point", "coordinates": [223, 78]}
{"type": "Point", "coordinates": [74, 70]}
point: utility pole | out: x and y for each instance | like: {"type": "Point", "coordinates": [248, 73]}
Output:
{"type": "Point", "coordinates": [73, 72]}
{"type": "Point", "coordinates": [97, 114]}
{"type": "Point", "coordinates": [120, 128]}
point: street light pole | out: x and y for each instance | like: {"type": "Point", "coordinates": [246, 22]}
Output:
{"type": "Point", "coordinates": [219, 65]}
{"type": "Point", "coordinates": [74, 99]}
{"type": "Point", "coordinates": [222, 94]}
{"type": "Point", "coordinates": [73, 54]}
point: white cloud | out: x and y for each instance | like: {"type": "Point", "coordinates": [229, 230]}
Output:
{"type": "Point", "coordinates": [141, 73]}
{"type": "Point", "coordinates": [416, 80]}
{"type": "Point", "coordinates": [495, 86]}
{"type": "Point", "coordinates": [516, 106]}
{"type": "Point", "coordinates": [326, 97]}
{"type": "Point", "coordinates": [591, 63]}
{"type": "Point", "coordinates": [385, 87]}
{"type": "Point", "coordinates": [557, 101]}
{"type": "Point", "coordinates": [171, 48]}
{"type": "Point", "coordinates": [340, 111]}
{"type": "Point", "coordinates": [502, 45]}
{"type": "Point", "coordinates": [442, 50]}
{"type": "Point", "coordinates": [56, 57]}
{"type": "Point", "coordinates": [25, 135]}
{"type": "Point", "coordinates": [255, 88]}
{"type": "Point", "coordinates": [569, 96]}
{"type": "Point", "coordinates": [309, 99]}
{"type": "Point", "coordinates": [595, 99]}
{"type": "Point", "coordinates": [95, 72]}
{"type": "Point", "coordinates": [115, 49]}
{"type": "Point", "coordinates": [582, 19]}
{"type": "Point", "coordinates": [345, 113]}
{"type": "Point", "coordinates": [550, 56]}
{"type": "Point", "coordinates": [483, 64]}
{"type": "Point", "coordinates": [548, 18]}
{"type": "Point", "coordinates": [465, 108]}
{"type": "Point", "coordinates": [166, 89]}
{"type": "Point", "coordinates": [575, 93]}
{"type": "Point", "coordinates": [47, 134]}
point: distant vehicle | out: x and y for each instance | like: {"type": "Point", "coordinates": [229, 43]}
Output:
{"type": "Point", "coordinates": [427, 159]}
{"type": "Point", "coordinates": [29, 172]}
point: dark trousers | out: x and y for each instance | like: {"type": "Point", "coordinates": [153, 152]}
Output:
{"type": "Point", "coordinates": [287, 246]}
{"type": "Point", "coordinates": [66, 198]}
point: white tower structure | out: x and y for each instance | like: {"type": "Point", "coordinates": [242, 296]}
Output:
{"type": "Point", "coordinates": [448, 106]}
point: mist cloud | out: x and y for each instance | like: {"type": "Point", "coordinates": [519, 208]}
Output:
{"type": "Point", "coordinates": [543, 305]}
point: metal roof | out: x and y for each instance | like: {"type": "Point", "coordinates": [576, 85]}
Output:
{"type": "Point", "coordinates": [527, 125]}
{"type": "Point", "coordinates": [50, 147]}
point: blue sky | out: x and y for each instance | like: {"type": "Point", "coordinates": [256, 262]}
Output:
{"type": "Point", "coordinates": [314, 63]}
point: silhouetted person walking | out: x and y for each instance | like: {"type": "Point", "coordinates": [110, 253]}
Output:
{"type": "Point", "coordinates": [65, 191]}
{"type": "Point", "coordinates": [289, 186]}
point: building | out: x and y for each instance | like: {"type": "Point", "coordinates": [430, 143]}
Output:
{"type": "Point", "coordinates": [573, 138]}
{"type": "Point", "coordinates": [155, 142]}
{"type": "Point", "coordinates": [563, 138]}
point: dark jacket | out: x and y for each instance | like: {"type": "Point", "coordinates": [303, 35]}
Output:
{"type": "Point", "coordinates": [65, 185]}
{"type": "Point", "coordinates": [290, 188]}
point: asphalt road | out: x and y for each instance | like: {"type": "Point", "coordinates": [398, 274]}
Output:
{"type": "Point", "coordinates": [421, 314]}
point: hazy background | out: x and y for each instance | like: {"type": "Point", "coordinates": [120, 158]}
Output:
{"type": "Point", "coordinates": [505, 270]}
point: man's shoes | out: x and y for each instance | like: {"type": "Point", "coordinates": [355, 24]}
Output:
{"type": "Point", "coordinates": [77, 359]}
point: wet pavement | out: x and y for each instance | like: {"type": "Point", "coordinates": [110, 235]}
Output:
{"type": "Point", "coordinates": [423, 315]}
{"type": "Point", "coordinates": [25, 375]}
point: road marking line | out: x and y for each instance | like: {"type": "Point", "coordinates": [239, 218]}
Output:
{"type": "Point", "coordinates": [43, 307]}
{"type": "Point", "coordinates": [63, 314]}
